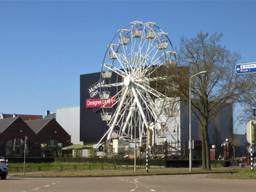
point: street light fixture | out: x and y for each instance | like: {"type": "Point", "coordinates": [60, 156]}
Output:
{"type": "Point", "coordinates": [189, 107]}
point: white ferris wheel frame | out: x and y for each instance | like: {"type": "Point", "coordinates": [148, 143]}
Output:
{"type": "Point", "coordinates": [133, 56]}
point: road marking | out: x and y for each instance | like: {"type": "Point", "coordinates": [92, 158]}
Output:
{"type": "Point", "coordinates": [152, 190]}
{"type": "Point", "coordinates": [132, 190]}
{"type": "Point", "coordinates": [46, 186]}
{"type": "Point", "coordinates": [36, 189]}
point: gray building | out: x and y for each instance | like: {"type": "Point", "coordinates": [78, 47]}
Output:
{"type": "Point", "coordinates": [69, 119]}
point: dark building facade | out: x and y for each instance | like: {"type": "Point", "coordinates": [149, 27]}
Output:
{"type": "Point", "coordinates": [43, 137]}
{"type": "Point", "coordinates": [12, 138]}
{"type": "Point", "coordinates": [51, 137]}
{"type": "Point", "coordinates": [92, 127]}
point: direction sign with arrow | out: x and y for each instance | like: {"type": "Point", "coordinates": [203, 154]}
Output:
{"type": "Point", "coordinates": [246, 67]}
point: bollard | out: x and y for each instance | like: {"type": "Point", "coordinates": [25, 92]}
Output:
{"type": "Point", "coordinates": [251, 158]}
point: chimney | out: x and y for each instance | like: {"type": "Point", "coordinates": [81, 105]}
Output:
{"type": "Point", "coordinates": [48, 112]}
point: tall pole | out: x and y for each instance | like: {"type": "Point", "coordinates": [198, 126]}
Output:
{"type": "Point", "coordinates": [189, 134]}
{"type": "Point", "coordinates": [189, 120]}
{"type": "Point", "coordinates": [135, 152]}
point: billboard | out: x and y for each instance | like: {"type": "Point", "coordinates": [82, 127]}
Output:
{"type": "Point", "coordinates": [91, 125]}
{"type": "Point", "coordinates": [97, 102]}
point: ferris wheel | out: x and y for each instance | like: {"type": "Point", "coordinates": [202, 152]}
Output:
{"type": "Point", "coordinates": [133, 72]}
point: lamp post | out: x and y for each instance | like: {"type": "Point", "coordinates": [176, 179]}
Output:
{"type": "Point", "coordinates": [189, 108]}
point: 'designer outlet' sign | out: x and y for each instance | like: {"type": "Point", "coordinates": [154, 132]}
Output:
{"type": "Point", "coordinates": [97, 102]}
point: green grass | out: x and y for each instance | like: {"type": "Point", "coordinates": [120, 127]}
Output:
{"type": "Point", "coordinates": [65, 166]}
{"type": "Point", "coordinates": [241, 173]}
{"type": "Point", "coordinates": [62, 169]}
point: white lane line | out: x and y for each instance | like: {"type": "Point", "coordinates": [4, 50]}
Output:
{"type": "Point", "coordinates": [35, 189]}
{"type": "Point", "coordinates": [152, 190]}
{"type": "Point", "coordinates": [46, 186]}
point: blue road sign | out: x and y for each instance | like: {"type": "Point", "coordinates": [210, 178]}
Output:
{"type": "Point", "coordinates": [246, 68]}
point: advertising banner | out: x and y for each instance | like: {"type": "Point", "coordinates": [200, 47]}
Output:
{"type": "Point", "coordinates": [97, 102]}
{"type": "Point", "coordinates": [94, 89]}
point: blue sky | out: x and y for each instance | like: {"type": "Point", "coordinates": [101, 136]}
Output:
{"type": "Point", "coordinates": [46, 45]}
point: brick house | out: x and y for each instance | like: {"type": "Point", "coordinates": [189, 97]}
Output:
{"type": "Point", "coordinates": [44, 137]}
{"type": "Point", "coordinates": [51, 137]}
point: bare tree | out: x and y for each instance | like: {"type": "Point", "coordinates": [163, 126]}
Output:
{"type": "Point", "coordinates": [215, 89]}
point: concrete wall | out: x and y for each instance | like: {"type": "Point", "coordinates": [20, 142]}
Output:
{"type": "Point", "coordinates": [69, 119]}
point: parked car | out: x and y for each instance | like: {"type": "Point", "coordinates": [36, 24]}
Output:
{"type": "Point", "coordinates": [3, 168]}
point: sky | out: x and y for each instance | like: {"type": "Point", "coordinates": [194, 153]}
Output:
{"type": "Point", "coordinates": [46, 45]}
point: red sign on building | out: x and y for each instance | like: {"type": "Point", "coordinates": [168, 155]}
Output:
{"type": "Point", "coordinates": [97, 102]}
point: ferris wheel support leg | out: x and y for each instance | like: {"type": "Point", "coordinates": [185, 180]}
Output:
{"type": "Point", "coordinates": [128, 117]}
{"type": "Point", "coordinates": [140, 108]}
{"type": "Point", "coordinates": [97, 145]}
{"type": "Point", "coordinates": [117, 113]}
{"type": "Point", "coordinates": [147, 127]}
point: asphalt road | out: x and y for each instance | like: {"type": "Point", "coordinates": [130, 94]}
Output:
{"type": "Point", "coordinates": [171, 183]}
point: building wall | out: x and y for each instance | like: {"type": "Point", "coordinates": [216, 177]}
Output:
{"type": "Point", "coordinates": [69, 119]}
{"type": "Point", "coordinates": [220, 128]}
{"type": "Point", "coordinates": [19, 130]}
{"type": "Point", "coordinates": [92, 127]}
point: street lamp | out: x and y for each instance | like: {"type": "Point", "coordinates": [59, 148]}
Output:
{"type": "Point", "coordinates": [189, 107]}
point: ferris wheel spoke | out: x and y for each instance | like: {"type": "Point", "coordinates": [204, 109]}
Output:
{"type": "Point", "coordinates": [139, 107]}
{"type": "Point", "coordinates": [149, 70]}
{"type": "Point", "coordinates": [157, 60]}
{"type": "Point", "coordinates": [124, 111]}
{"type": "Point", "coordinates": [151, 79]}
{"type": "Point", "coordinates": [112, 85]}
{"type": "Point", "coordinates": [150, 47]}
{"type": "Point", "coordinates": [149, 105]}
{"type": "Point", "coordinates": [117, 113]}
{"type": "Point", "coordinates": [115, 70]}
{"type": "Point", "coordinates": [117, 98]}
{"type": "Point", "coordinates": [150, 90]}
{"type": "Point", "coordinates": [163, 78]}
{"type": "Point", "coordinates": [128, 117]}
{"type": "Point", "coordinates": [122, 62]}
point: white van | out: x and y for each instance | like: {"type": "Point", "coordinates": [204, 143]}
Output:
{"type": "Point", "coordinates": [3, 168]}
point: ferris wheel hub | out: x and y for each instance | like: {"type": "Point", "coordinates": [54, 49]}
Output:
{"type": "Point", "coordinates": [127, 80]}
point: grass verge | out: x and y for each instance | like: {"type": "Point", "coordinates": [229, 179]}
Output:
{"type": "Point", "coordinates": [240, 173]}
{"type": "Point", "coordinates": [60, 169]}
